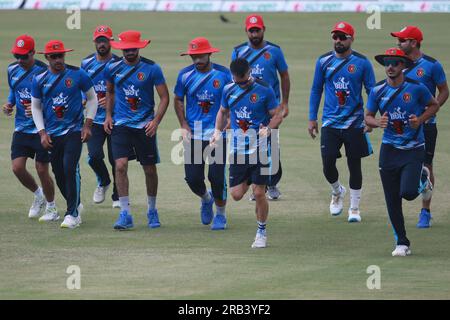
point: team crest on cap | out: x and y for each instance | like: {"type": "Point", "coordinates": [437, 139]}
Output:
{"type": "Point", "coordinates": [420, 72]}
{"type": "Point", "coordinates": [216, 83]}
{"type": "Point", "coordinates": [253, 20]}
{"type": "Point", "coordinates": [341, 25]}
{"type": "Point", "coordinates": [20, 43]}
{"type": "Point", "coordinates": [254, 98]}
{"type": "Point", "coordinates": [56, 46]}
{"type": "Point", "coordinates": [351, 68]}
{"type": "Point", "coordinates": [68, 82]}
{"type": "Point", "coordinates": [267, 55]}
{"type": "Point", "coordinates": [194, 46]}
{"type": "Point", "coordinates": [141, 76]}
{"type": "Point", "coordinates": [102, 29]}
{"type": "Point", "coordinates": [406, 97]}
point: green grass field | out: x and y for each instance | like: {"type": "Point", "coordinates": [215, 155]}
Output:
{"type": "Point", "coordinates": [311, 255]}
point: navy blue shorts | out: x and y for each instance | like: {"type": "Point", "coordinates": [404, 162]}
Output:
{"type": "Point", "coordinates": [97, 140]}
{"type": "Point", "coordinates": [430, 132]}
{"type": "Point", "coordinates": [28, 145]}
{"type": "Point", "coordinates": [355, 141]}
{"type": "Point", "coordinates": [146, 148]}
{"type": "Point", "coordinates": [251, 172]}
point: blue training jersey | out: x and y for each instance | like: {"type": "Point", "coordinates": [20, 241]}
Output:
{"type": "Point", "coordinates": [94, 69]}
{"type": "Point", "coordinates": [203, 92]}
{"type": "Point", "coordinates": [249, 108]}
{"type": "Point", "coordinates": [429, 72]}
{"type": "Point", "coordinates": [343, 79]}
{"type": "Point", "coordinates": [134, 101]}
{"type": "Point", "coordinates": [61, 98]}
{"type": "Point", "coordinates": [264, 62]}
{"type": "Point", "coordinates": [400, 102]}
{"type": "Point", "coordinates": [20, 81]}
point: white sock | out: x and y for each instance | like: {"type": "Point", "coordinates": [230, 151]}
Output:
{"type": "Point", "coordinates": [206, 197]}
{"type": "Point", "coordinates": [336, 187]}
{"type": "Point", "coordinates": [50, 204]}
{"type": "Point", "coordinates": [355, 197]}
{"type": "Point", "coordinates": [39, 193]}
{"type": "Point", "coordinates": [220, 210]}
{"type": "Point", "coordinates": [151, 201]}
{"type": "Point", "coordinates": [124, 204]}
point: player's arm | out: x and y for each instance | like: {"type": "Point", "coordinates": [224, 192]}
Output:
{"type": "Point", "coordinates": [179, 111]}
{"type": "Point", "coordinates": [285, 90]}
{"type": "Point", "coordinates": [9, 106]}
{"type": "Point", "coordinates": [91, 110]}
{"type": "Point", "coordinates": [432, 107]}
{"type": "Point", "coordinates": [276, 117]}
{"type": "Point", "coordinates": [373, 122]}
{"type": "Point", "coordinates": [221, 123]}
{"type": "Point", "coordinates": [314, 100]}
{"type": "Point", "coordinates": [110, 96]}
{"type": "Point", "coordinates": [38, 119]}
{"type": "Point", "coordinates": [152, 126]}
{"type": "Point", "coordinates": [443, 93]}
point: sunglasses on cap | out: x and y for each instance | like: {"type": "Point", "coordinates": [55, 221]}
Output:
{"type": "Point", "coordinates": [392, 62]}
{"type": "Point", "coordinates": [21, 56]}
{"type": "Point", "coordinates": [341, 36]}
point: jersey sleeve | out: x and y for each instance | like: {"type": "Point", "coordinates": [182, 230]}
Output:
{"type": "Point", "coordinates": [369, 76]}
{"type": "Point", "coordinates": [11, 95]}
{"type": "Point", "coordinates": [35, 90]}
{"type": "Point", "coordinates": [281, 61]}
{"type": "Point", "coordinates": [438, 74]}
{"type": "Point", "coordinates": [272, 102]}
{"type": "Point", "coordinates": [224, 100]}
{"type": "Point", "coordinates": [179, 89]}
{"type": "Point", "coordinates": [107, 73]}
{"type": "Point", "coordinates": [234, 55]}
{"type": "Point", "coordinates": [372, 102]}
{"type": "Point", "coordinates": [425, 95]}
{"type": "Point", "coordinates": [316, 92]}
{"type": "Point", "coordinates": [157, 76]}
{"type": "Point", "coordinates": [85, 81]}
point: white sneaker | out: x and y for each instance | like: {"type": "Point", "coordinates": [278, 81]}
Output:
{"type": "Point", "coordinates": [260, 241]}
{"type": "Point", "coordinates": [116, 204]}
{"type": "Point", "coordinates": [273, 193]}
{"type": "Point", "coordinates": [428, 190]}
{"type": "Point", "coordinates": [71, 222]}
{"type": "Point", "coordinates": [51, 214]}
{"type": "Point", "coordinates": [99, 194]}
{"type": "Point", "coordinates": [337, 202]}
{"type": "Point", "coordinates": [401, 251]}
{"type": "Point", "coordinates": [354, 215]}
{"type": "Point", "coordinates": [38, 204]}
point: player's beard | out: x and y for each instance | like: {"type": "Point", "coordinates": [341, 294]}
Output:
{"type": "Point", "coordinates": [340, 48]}
{"type": "Point", "coordinates": [103, 51]}
{"type": "Point", "coordinates": [202, 66]}
{"type": "Point", "coordinates": [256, 41]}
{"type": "Point", "coordinates": [392, 74]}
{"type": "Point", "coordinates": [132, 57]}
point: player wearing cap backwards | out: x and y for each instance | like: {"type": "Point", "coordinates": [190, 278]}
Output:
{"type": "Point", "coordinates": [428, 71]}
{"type": "Point", "coordinates": [266, 59]}
{"type": "Point", "coordinates": [130, 108]}
{"type": "Point", "coordinates": [202, 84]}
{"type": "Point", "coordinates": [404, 106]}
{"type": "Point", "coordinates": [253, 110]}
{"type": "Point", "coordinates": [58, 115]}
{"type": "Point", "coordinates": [26, 142]}
{"type": "Point", "coordinates": [94, 65]}
{"type": "Point", "coordinates": [342, 72]}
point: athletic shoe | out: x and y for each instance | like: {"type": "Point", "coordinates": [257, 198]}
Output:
{"type": "Point", "coordinates": [426, 187]}
{"type": "Point", "coordinates": [337, 202]}
{"type": "Point", "coordinates": [401, 251]}
{"type": "Point", "coordinates": [252, 197]}
{"type": "Point", "coordinates": [153, 219]}
{"type": "Point", "coordinates": [38, 204]}
{"type": "Point", "coordinates": [260, 240]}
{"type": "Point", "coordinates": [99, 194]}
{"type": "Point", "coordinates": [125, 221]}
{"type": "Point", "coordinates": [219, 222]}
{"type": "Point", "coordinates": [51, 214]}
{"type": "Point", "coordinates": [424, 219]}
{"type": "Point", "coordinates": [273, 193]}
{"type": "Point", "coordinates": [206, 210]}
{"type": "Point", "coordinates": [354, 215]}
{"type": "Point", "coordinates": [71, 222]}
{"type": "Point", "coordinates": [116, 204]}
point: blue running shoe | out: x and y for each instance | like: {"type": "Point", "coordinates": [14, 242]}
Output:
{"type": "Point", "coordinates": [153, 219]}
{"type": "Point", "coordinates": [125, 221]}
{"type": "Point", "coordinates": [206, 210]}
{"type": "Point", "coordinates": [424, 219]}
{"type": "Point", "coordinates": [219, 222]}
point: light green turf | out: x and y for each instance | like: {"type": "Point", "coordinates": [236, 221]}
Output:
{"type": "Point", "coordinates": [310, 254]}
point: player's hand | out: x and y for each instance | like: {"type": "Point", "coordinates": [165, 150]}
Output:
{"type": "Point", "coordinates": [383, 121]}
{"type": "Point", "coordinates": [108, 125]}
{"type": "Point", "coordinates": [414, 122]}
{"type": "Point", "coordinates": [263, 131]}
{"type": "Point", "coordinates": [8, 109]}
{"type": "Point", "coordinates": [367, 129]}
{"type": "Point", "coordinates": [285, 110]}
{"type": "Point", "coordinates": [151, 127]}
{"type": "Point", "coordinates": [312, 129]}
{"type": "Point", "coordinates": [86, 133]}
{"type": "Point", "coordinates": [46, 141]}
{"type": "Point", "coordinates": [186, 132]}
{"type": "Point", "coordinates": [215, 137]}
{"type": "Point", "coordinates": [27, 110]}
{"type": "Point", "coordinates": [102, 102]}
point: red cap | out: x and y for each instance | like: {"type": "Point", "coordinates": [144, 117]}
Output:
{"type": "Point", "coordinates": [130, 39]}
{"type": "Point", "coordinates": [393, 52]}
{"type": "Point", "coordinates": [254, 21]}
{"type": "Point", "coordinates": [23, 45]}
{"type": "Point", "coordinates": [103, 31]}
{"type": "Point", "coordinates": [54, 46]}
{"type": "Point", "coordinates": [409, 32]}
{"type": "Point", "coordinates": [344, 27]}
{"type": "Point", "coordinates": [199, 46]}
